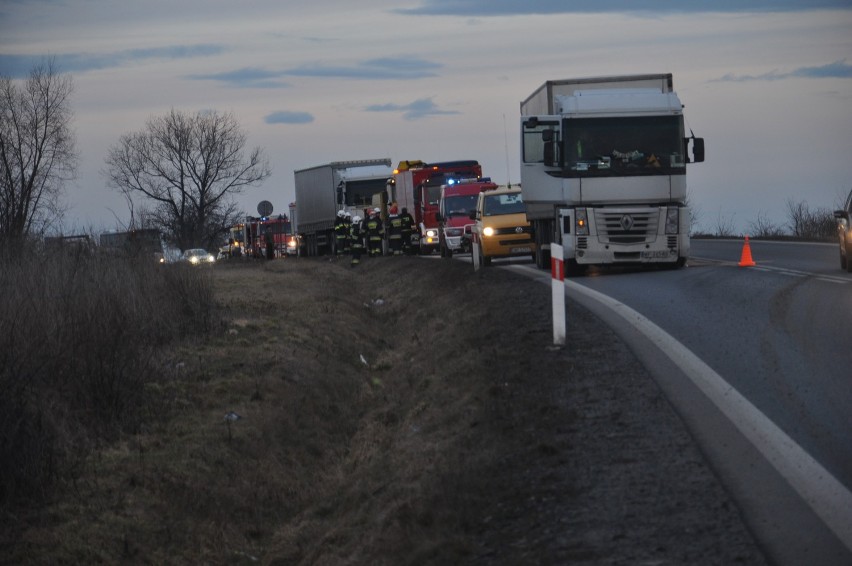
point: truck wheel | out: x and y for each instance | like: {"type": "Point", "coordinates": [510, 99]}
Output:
{"type": "Point", "coordinates": [846, 257]}
{"type": "Point", "coordinates": [542, 258]}
{"type": "Point", "coordinates": [572, 268]}
{"type": "Point", "coordinates": [486, 260]}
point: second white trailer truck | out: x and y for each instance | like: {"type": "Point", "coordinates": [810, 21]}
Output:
{"type": "Point", "coordinates": [324, 190]}
{"type": "Point", "coordinates": [603, 170]}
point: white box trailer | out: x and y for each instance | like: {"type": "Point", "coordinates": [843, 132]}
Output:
{"type": "Point", "coordinates": [603, 170]}
{"type": "Point", "coordinates": [323, 190]}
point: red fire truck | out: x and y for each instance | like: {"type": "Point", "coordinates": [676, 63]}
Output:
{"type": "Point", "coordinates": [416, 186]}
{"type": "Point", "coordinates": [254, 236]}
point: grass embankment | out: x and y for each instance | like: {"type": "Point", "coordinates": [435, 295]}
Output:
{"type": "Point", "coordinates": [335, 459]}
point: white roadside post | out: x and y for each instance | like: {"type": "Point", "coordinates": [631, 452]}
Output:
{"type": "Point", "coordinates": [557, 279]}
{"type": "Point", "coordinates": [475, 255]}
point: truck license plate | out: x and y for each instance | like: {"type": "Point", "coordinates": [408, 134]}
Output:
{"type": "Point", "coordinates": [661, 254]}
{"type": "Point", "coordinates": [519, 250]}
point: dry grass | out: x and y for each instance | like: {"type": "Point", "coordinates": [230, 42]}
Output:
{"type": "Point", "coordinates": [333, 461]}
{"type": "Point", "coordinates": [463, 439]}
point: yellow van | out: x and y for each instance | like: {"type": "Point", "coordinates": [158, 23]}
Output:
{"type": "Point", "coordinates": [501, 228]}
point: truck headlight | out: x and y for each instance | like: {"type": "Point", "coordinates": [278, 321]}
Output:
{"type": "Point", "coordinates": [488, 231]}
{"type": "Point", "coordinates": [582, 222]}
{"type": "Point", "coordinates": [431, 233]}
{"type": "Point", "coordinates": [672, 220]}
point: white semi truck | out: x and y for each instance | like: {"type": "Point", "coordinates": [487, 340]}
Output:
{"type": "Point", "coordinates": [324, 190]}
{"type": "Point", "coordinates": [603, 170]}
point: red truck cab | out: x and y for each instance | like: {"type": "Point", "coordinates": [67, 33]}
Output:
{"type": "Point", "coordinates": [416, 185]}
{"type": "Point", "coordinates": [458, 200]}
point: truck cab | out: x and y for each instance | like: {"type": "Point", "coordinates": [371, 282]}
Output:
{"type": "Point", "coordinates": [416, 185]}
{"type": "Point", "coordinates": [603, 171]}
{"type": "Point", "coordinates": [458, 200]}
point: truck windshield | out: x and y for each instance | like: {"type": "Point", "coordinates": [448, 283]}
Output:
{"type": "Point", "coordinates": [496, 205]}
{"type": "Point", "coordinates": [459, 205]}
{"type": "Point", "coordinates": [617, 147]}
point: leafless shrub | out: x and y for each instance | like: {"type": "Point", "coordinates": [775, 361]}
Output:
{"type": "Point", "coordinates": [817, 224]}
{"type": "Point", "coordinates": [724, 227]}
{"type": "Point", "coordinates": [79, 338]}
{"type": "Point", "coordinates": [764, 228]}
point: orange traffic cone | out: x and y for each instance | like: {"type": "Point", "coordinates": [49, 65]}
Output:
{"type": "Point", "coordinates": [745, 259]}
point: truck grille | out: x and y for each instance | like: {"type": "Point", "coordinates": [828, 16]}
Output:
{"type": "Point", "coordinates": [627, 226]}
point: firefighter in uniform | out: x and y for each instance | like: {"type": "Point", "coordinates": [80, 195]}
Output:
{"type": "Point", "coordinates": [407, 230]}
{"type": "Point", "coordinates": [347, 218]}
{"type": "Point", "coordinates": [340, 232]}
{"type": "Point", "coordinates": [356, 240]}
{"type": "Point", "coordinates": [375, 233]}
{"type": "Point", "coordinates": [395, 232]}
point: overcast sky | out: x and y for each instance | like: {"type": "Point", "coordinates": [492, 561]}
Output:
{"type": "Point", "coordinates": [768, 84]}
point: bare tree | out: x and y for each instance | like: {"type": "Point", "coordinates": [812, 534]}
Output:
{"type": "Point", "coordinates": [187, 167]}
{"type": "Point", "coordinates": [37, 150]}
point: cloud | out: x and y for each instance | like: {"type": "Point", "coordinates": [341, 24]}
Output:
{"type": "Point", "coordinates": [288, 117]}
{"type": "Point", "coordinates": [513, 7]}
{"type": "Point", "coordinates": [18, 66]}
{"type": "Point", "coordinates": [420, 108]}
{"type": "Point", "coordinates": [247, 77]}
{"type": "Point", "coordinates": [399, 68]}
{"type": "Point", "coordinates": [837, 70]}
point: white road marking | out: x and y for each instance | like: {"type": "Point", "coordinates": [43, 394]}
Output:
{"type": "Point", "coordinates": [782, 271]}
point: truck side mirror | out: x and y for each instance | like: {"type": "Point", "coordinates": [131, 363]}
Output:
{"type": "Point", "coordinates": [698, 150]}
{"type": "Point", "coordinates": [472, 215]}
{"type": "Point", "coordinates": [438, 216]}
{"type": "Point", "coordinates": [547, 136]}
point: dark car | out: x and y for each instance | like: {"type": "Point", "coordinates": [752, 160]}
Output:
{"type": "Point", "coordinates": [844, 233]}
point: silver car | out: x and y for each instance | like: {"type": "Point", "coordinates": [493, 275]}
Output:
{"type": "Point", "coordinates": [198, 256]}
{"type": "Point", "coordinates": [844, 233]}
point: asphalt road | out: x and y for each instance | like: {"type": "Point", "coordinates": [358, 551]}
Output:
{"type": "Point", "coordinates": [776, 338]}
{"type": "Point", "coordinates": [780, 332]}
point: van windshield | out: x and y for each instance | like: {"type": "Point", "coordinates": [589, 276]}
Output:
{"type": "Point", "coordinates": [503, 204]}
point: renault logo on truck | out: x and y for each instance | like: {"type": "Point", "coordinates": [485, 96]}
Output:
{"type": "Point", "coordinates": [627, 222]}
